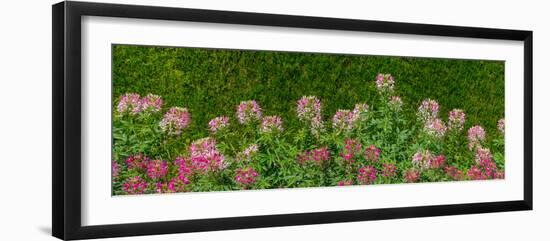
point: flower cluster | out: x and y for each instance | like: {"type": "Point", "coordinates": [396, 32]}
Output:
{"type": "Point", "coordinates": [218, 123]}
{"type": "Point", "coordinates": [114, 169]}
{"type": "Point", "coordinates": [272, 124]}
{"type": "Point", "coordinates": [395, 103]}
{"type": "Point", "coordinates": [456, 119]}
{"type": "Point", "coordinates": [245, 176]}
{"type": "Point", "coordinates": [372, 153]}
{"type": "Point", "coordinates": [485, 169]}
{"type": "Point", "coordinates": [501, 126]}
{"type": "Point", "coordinates": [435, 127]}
{"type": "Point", "coordinates": [384, 83]}
{"type": "Point", "coordinates": [175, 120]}
{"type": "Point", "coordinates": [345, 183]}
{"type": "Point", "coordinates": [133, 104]}
{"type": "Point", "coordinates": [343, 120]}
{"type": "Point", "coordinates": [389, 170]}
{"type": "Point", "coordinates": [437, 161]}
{"type": "Point", "coordinates": [476, 135]}
{"type": "Point", "coordinates": [309, 111]}
{"type": "Point", "coordinates": [428, 110]}
{"type": "Point", "coordinates": [249, 111]}
{"type": "Point", "coordinates": [250, 150]}
{"type": "Point", "coordinates": [138, 161]}
{"type": "Point", "coordinates": [483, 154]}
{"type": "Point", "coordinates": [454, 173]}
{"type": "Point", "coordinates": [205, 156]}
{"type": "Point", "coordinates": [317, 156]}
{"type": "Point", "coordinates": [351, 149]}
{"type": "Point", "coordinates": [134, 185]}
{"type": "Point", "coordinates": [367, 175]}
{"type": "Point", "coordinates": [157, 169]}
{"type": "Point", "coordinates": [411, 175]}
{"type": "Point", "coordinates": [360, 112]}
{"type": "Point", "coordinates": [422, 159]}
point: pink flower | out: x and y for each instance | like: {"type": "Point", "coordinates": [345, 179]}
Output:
{"type": "Point", "coordinates": [175, 120]}
{"type": "Point", "coordinates": [345, 183]}
{"type": "Point", "coordinates": [483, 154]}
{"type": "Point", "coordinates": [151, 103]}
{"type": "Point", "coordinates": [390, 170]}
{"type": "Point", "coordinates": [454, 173]}
{"type": "Point", "coordinates": [372, 153]}
{"type": "Point", "coordinates": [411, 175]}
{"type": "Point", "coordinates": [422, 159]}
{"type": "Point", "coordinates": [309, 109]}
{"type": "Point", "coordinates": [343, 120]}
{"type": "Point", "coordinates": [129, 103]}
{"type": "Point", "coordinates": [157, 169]}
{"type": "Point", "coordinates": [218, 123]}
{"type": "Point", "coordinates": [435, 128]}
{"type": "Point", "coordinates": [384, 83]}
{"type": "Point", "coordinates": [134, 185]}
{"type": "Point", "coordinates": [138, 161]}
{"type": "Point", "coordinates": [456, 119]}
{"type": "Point", "coordinates": [476, 135]}
{"type": "Point", "coordinates": [250, 151]}
{"type": "Point", "coordinates": [114, 169]}
{"type": "Point", "coordinates": [501, 126]}
{"type": "Point", "coordinates": [319, 156]}
{"type": "Point", "coordinates": [248, 111]}
{"type": "Point", "coordinates": [245, 176]}
{"type": "Point", "coordinates": [367, 175]}
{"type": "Point", "coordinates": [485, 169]}
{"type": "Point", "coordinates": [428, 110]}
{"type": "Point", "coordinates": [272, 124]}
{"type": "Point", "coordinates": [351, 149]}
{"type": "Point", "coordinates": [205, 156]}
{"type": "Point", "coordinates": [438, 161]}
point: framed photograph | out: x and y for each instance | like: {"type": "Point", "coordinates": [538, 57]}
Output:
{"type": "Point", "coordinates": [171, 120]}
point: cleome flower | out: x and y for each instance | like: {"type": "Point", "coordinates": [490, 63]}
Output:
{"type": "Point", "coordinates": [218, 123]}
{"type": "Point", "coordinates": [318, 156]}
{"type": "Point", "coordinates": [456, 119]}
{"type": "Point", "coordinates": [205, 156]}
{"type": "Point", "coordinates": [138, 161]}
{"type": "Point", "coordinates": [245, 177]}
{"type": "Point", "coordinates": [157, 169]}
{"type": "Point", "coordinates": [134, 185]}
{"type": "Point", "coordinates": [175, 120]}
{"type": "Point", "coordinates": [501, 126]}
{"type": "Point", "coordinates": [343, 120]}
{"type": "Point", "coordinates": [151, 103]}
{"type": "Point", "coordinates": [395, 103]}
{"type": "Point", "coordinates": [435, 127]}
{"type": "Point", "coordinates": [360, 112]}
{"type": "Point", "coordinates": [389, 170]}
{"type": "Point", "coordinates": [422, 159]}
{"type": "Point", "coordinates": [271, 125]}
{"type": "Point", "coordinates": [351, 149]}
{"type": "Point", "coordinates": [372, 153]}
{"type": "Point", "coordinates": [248, 111]}
{"type": "Point", "coordinates": [129, 103]}
{"type": "Point", "coordinates": [476, 135]}
{"type": "Point", "coordinates": [427, 110]}
{"type": "Point", "coordinates": [384, 83]}
{"type": "Point", "coordinates": [367, 175]}
{"type": "Point", "coordinates": [411, 175]}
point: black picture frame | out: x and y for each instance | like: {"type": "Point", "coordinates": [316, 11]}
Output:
{"type": "Point", "coordinates": [66, 127]}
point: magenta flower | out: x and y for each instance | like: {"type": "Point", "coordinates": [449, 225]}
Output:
{"type": "Point", "coordinates": [372, 153]}
{"type": "Point", "coordinates": [351, 149]}
{"type": "Point", "coordinates": [138, 161]}
{"type": "Point", "coordinates": [437, 161]}
{"type": "Point", "coordinates": [218, 123]}
{"type": "Point", "coordinates": [411, 176]}
{"type": "Point", "coordinates": [456, 119]}
{"type": "Point", "coordinates": [428, 110]}
{"type": "Point", "coordinates": [343, 120]}
{"type": "Point", "coordinates": [309, 110]}
{"type": "Point", "coordinates": [157, 169]}
{"type": "Point", "coordinates": [483, 154]}
{"type": "Point", "coordinates": [501, 126]}
{"type": "Point", "coordinates": [367, 175]}
{"type": "Point", "coordinates": [435, 127]}
{"type": "Point", "coordinates": [175, 120]}
{"type": "Point", "coordinates": [205, 156]}
{"type": "Point", "coordinates": [395, 103]}
{"type": "Point", "coordinates": [484, 170]}
{"type": "Point", "coordinates": [476, 135]}
{"type": "Point", "coordinates": [245, 176]}
{"type": "Point", "coordinates": [129, 103]}
{"type": "Point", "coordinates": [151, 103]}
{"type": "Point", "coordinates": [454, 173]}
{"type": "Point", "coordinates": [422, 159]}
{"type": "Point", "coordinates": [384, 83]}
{"type": "Point", "coordinates": [134, 185]}
{"type": "Point", "coordinates": [345, 183]}
{"type": "Point", "coordinates": [248, 111]}
{"type": "Point", "coordinates": [389, 170]}
{"type": "Point", "coordinates": [318, 156]}
{"type": "Point", "coordinates": [272, 124]}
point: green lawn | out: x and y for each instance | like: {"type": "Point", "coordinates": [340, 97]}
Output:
{"type": "Point", "coordinates": [212, 82]}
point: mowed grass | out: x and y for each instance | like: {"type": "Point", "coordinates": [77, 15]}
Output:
{"type": "Point", "coordinates": [212, 82]}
